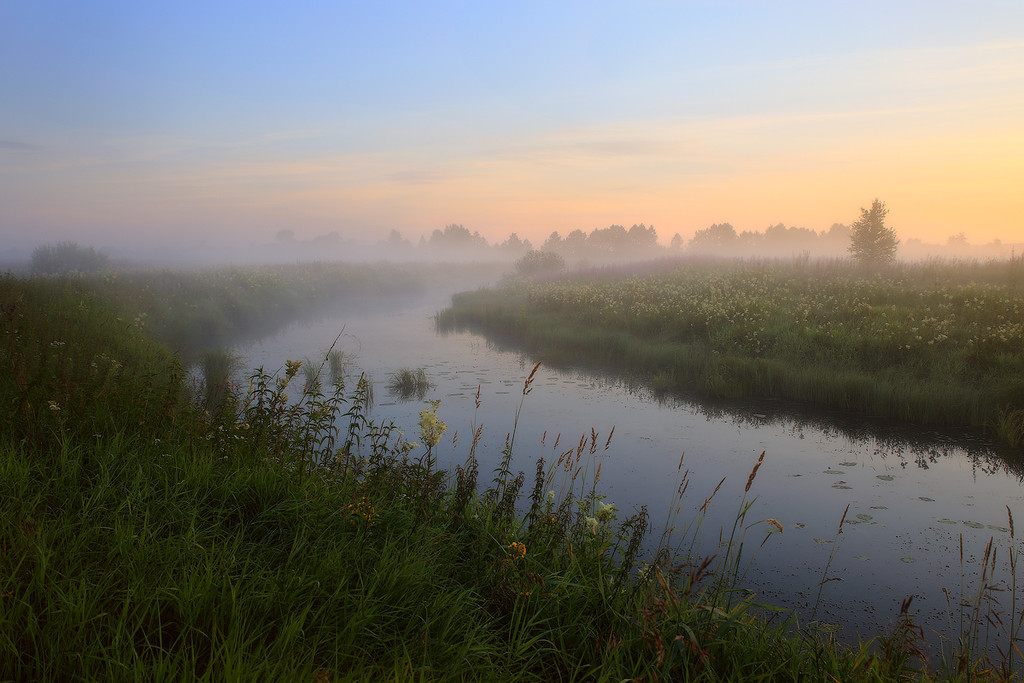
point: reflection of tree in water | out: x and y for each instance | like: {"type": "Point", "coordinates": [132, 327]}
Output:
{"type": "Point", "coordinates": [909, 444]}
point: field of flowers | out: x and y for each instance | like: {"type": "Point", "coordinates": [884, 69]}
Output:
{"type": "Point", "coordinates": [932, 343]}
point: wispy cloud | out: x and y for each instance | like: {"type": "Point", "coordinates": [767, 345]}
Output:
{"type": "Point", "coordinates": [19, 146]}
{"type": "Point", "coordinates": [417, 177]}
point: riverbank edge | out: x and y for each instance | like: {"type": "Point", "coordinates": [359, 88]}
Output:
{"type": "Point", "coordinates": [693, 366]}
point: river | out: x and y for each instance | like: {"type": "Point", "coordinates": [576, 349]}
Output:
{"type": "Point", "coordinates": [920, 506]}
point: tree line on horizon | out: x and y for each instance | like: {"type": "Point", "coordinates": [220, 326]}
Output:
{"type": "Point", "coordinates": [867, 240]}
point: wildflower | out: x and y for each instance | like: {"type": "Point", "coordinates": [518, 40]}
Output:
{"type": "Point", "coordinates": [605, 512]}
{"type": "Point", "coordinates": [518, 549]}
{"type": "Point", "coordinates": [551, 495]}
{"type": "Point", "coordinates": [364, 509]}
{"type": "Point", "coordinates": [54, 407]}
{"type": "Point", "coordinates": [591, 524]}
{"type": "Point", "coordinates": [293, 367]}
{"type": "Point", "coordinates": [431, 428]}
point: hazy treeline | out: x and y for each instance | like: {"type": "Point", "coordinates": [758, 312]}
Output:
{"type": "Point", "coordinates": [456, 242]}
{"type": "Point", "coordinates": [641, 241]}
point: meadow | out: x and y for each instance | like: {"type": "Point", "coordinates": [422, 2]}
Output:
{"type": "Point", "coordinates": [929, 343]}
{"type": "Point", "coordinates": [277, 533]}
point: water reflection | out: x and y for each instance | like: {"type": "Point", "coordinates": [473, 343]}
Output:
{"type": "Point", "coordinates": [915, 501]}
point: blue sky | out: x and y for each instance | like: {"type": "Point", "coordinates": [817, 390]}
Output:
{"type": "Point", "coordinates": [154, 123]}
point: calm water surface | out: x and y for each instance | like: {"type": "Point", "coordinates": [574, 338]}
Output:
{"type": "Point", "coordinates": [912, 496]}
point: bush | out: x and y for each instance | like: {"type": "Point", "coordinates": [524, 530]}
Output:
{"type": "Point", "coordinates": [539, 263]}
{"type": "Point", "coordinates": [66, 257]}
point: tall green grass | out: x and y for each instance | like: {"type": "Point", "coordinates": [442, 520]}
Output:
{"type": "Point", "coordinates": [928, 343]}
{"type": "Point", "coordinates": [284, 535]}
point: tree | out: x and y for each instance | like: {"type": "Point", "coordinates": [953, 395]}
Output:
{"type": "Point", "coordinates": [642, 238]}
{"type": "Point", "coordinates": [515, 245]}
{"type": "Point", "coordinates": [715, 237]}
{"type": "Point", "coordinates": [871, 242]}
{"type": "Point", "coordinates": [455, 236]}
{"type": "Point", "coordinates": [537, 263]}
{"type": "Point", "coordinates": [66, 257]}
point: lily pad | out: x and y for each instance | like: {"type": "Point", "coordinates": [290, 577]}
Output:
{"type": "Point", "coordinates": [823, 541]}
{"type": "Point", "coordinates": [864, 517]}
{"type": "Point", "coordinates": [926, 499]}
{"type": "Point", "coordinates": [847, 464]}
{"type": "Point", "coordinates": [879, 507]}
{"type": "Point", "coordinates": [831, 471]}
{"type": "Point", "coordinates": [973, 525]}
{"type": "Point", "coordinates": [841, 485]}
{"type": "Point", "coordinates": [993, 527]}
{"type": "Point", "coordinates": [907, 559]}
{"type": "Point", "coordinates": [944, 520]}
{"type": "Point", "coordinates": [884, 477]}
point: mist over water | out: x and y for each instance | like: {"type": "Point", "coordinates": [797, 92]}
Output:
{"type": "Point", "coordinates": [909, 495]}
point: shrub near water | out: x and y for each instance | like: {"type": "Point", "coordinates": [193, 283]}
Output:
{"type": "Point", "coordinates": [937, 344]}
{"type": "Point", "coordinates": [291, 538]}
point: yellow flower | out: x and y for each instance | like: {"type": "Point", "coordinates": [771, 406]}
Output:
{"type": "Point", "coordinates": [518, 548]}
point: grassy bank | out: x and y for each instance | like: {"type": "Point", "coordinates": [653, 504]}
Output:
{"type": "Point", "coordinates": [931, 343]}
{"type": "Point", "coordinates": [191, 311]}
{"type": "Point", "coordinates": [290, 538]}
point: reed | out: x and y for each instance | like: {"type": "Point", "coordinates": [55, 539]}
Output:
{"type": "Point", "coordinates": [408, 383]}
{"type": "Point", "coordinates": [218, 368]}
{"type": "Point", "coordinates": [336, 362]}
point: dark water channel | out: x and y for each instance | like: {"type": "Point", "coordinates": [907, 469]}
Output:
{"type": "Point", "coordinates": [913, 496]}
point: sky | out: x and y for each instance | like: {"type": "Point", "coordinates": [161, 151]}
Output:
{"type": "Point", "coordinates": [172, 123]}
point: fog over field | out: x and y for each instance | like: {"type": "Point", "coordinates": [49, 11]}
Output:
{"type": "Point", "coordinates": [234, 132]}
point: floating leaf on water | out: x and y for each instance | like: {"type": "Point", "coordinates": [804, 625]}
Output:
{"type": "Point", "coordinates": [864, 517]}
{"type": "Point", "coordinates": [879, 507]}
{"type": "Point", "coordinates": [823, 541]}
{"type": "Point", "coordinates": [831, 471]}
{"type": "Point", "coordinates": [862, 558]}
{"type": "Point", "coordinates": [884, 477]}
{"type": "Point", "coordinates": [926, 499]}
{"type": "Point", "coordinates": [841, 486]}
{"type": "Point", "coordinates": [847, 464]}
{"type": "Point", "coordinates": [796, 475]}
{"type": "Point", "coordinates": [852, 521]}
{"type": "Point", "coordinates": [993, 527]}
{"type": "Point", "coordinates": [799, 525]}
{"type": "Point", "coordinates": [943, 520]}
{"type": "Point", "coordinates": [907, 559]}
{"type": "Point", "coordinates": [973, 525]}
